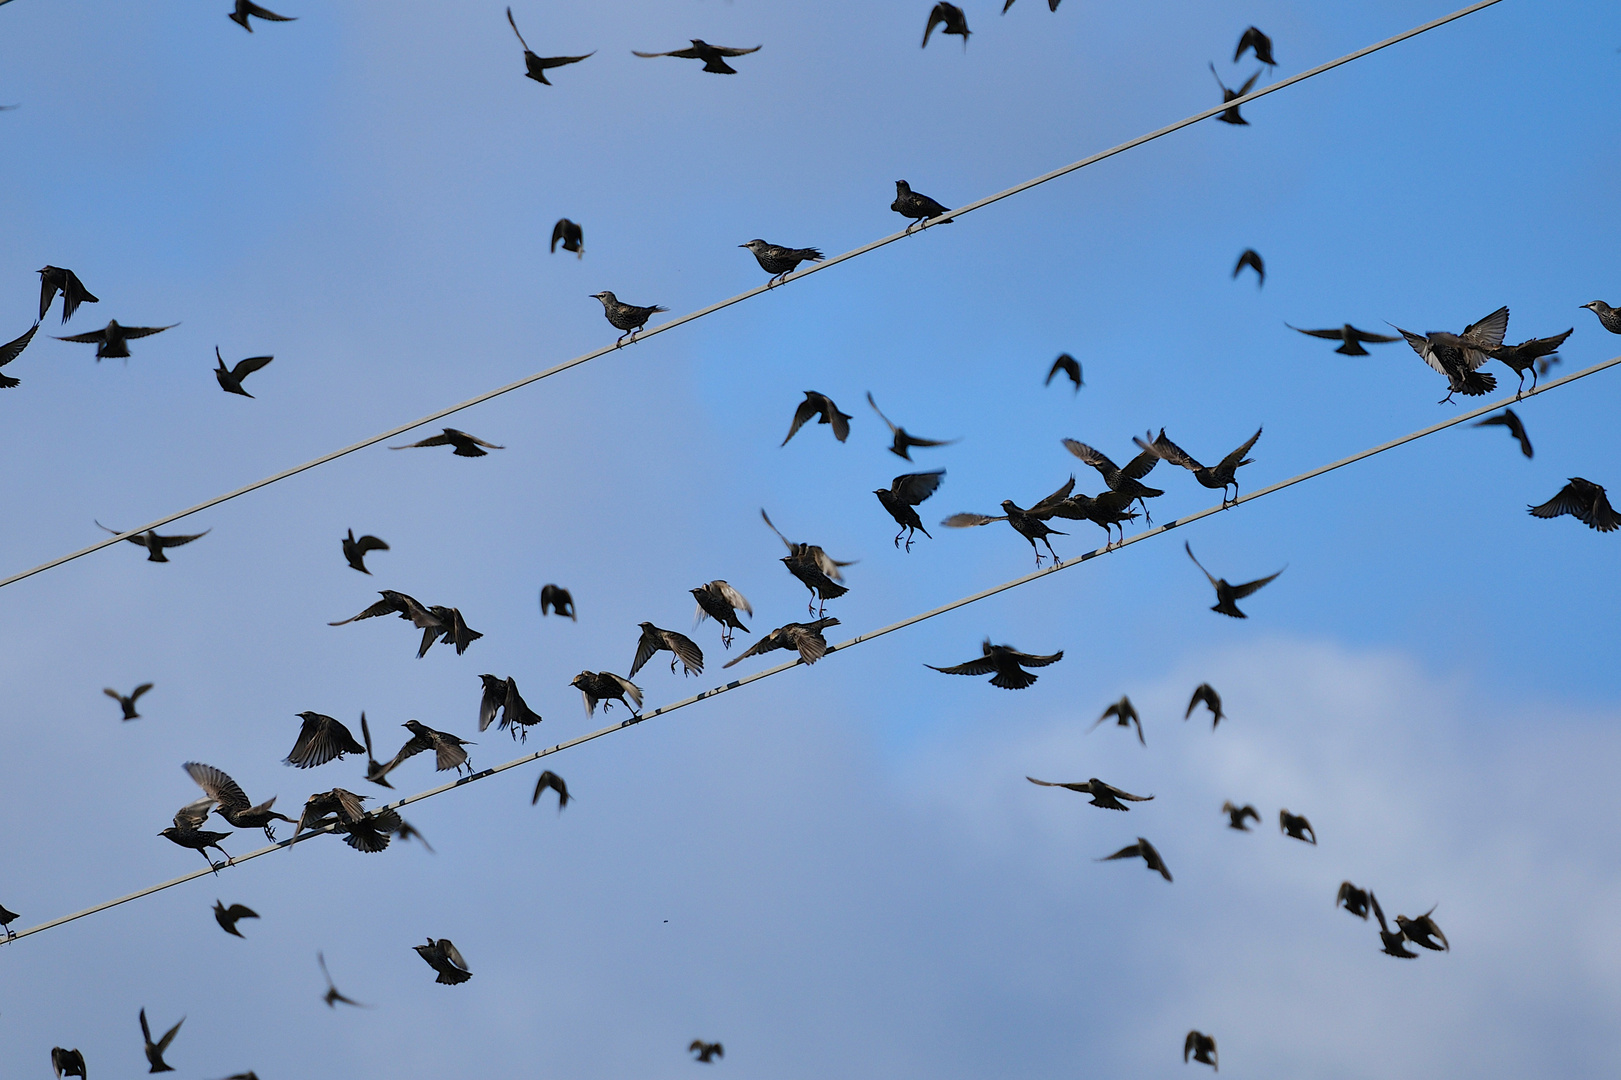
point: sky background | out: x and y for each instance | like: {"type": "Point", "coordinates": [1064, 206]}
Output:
{"type": "Point", "coordinates": [841, 869]}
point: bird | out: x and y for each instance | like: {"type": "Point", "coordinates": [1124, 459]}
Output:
{"type": "Point", "coordinates": [1125, 715]}
{"type": "Point", "coordinates": [1608, 317]}
{"type": "Point", "coordinates": [230, 378]}
{"type": "Point", "coordinates": [535, 68]}
{"type": "Point", "coordinates": [1297, 826]}
{"type": "Point", "coordinates": [447, 749]}
{"type": "Point", "coordinates": [805, 638]}
{"type": "Point", "coordinates": [1252, 259]}
{"type": "Point", "coordinates": [67, 1062]}
{"type": "Point", "coordinates": [1583, 500]}
{"type": "Point", "coordinates": [816, 569]}
{"type": "Point", "coordinates": [336, 807]}
{"type": "Point", "coordinates": [354, 551]}
{"type": "Point", "coordinates": [1507, 418]}
{"type": "Point", "coordinates": [244, 8]}
{"type": "Point", "coordinates": [1524, 356]}
{"type": "Point", "coordinates": [707, 1052]}
{"type": "Point", "coordinates": [713, 56]}
{"type": "Point", "coordinates": [922, 209]}
{"type": "Point", "coordinates": [549, 779]}
{"type": "Point", "coordinates": [1252, 38]}
{"type": "Point", "coordinates": [332, 996]}
{"type": "Point", "coordinates": [606, 687]}
{"type": "Point", "coordinates": [1226, 594]}
{"type": "Point", "coordinates": [903, 442]}
{"type": "Point", "coordinates": [558, 599]}
{"type": "Point", "coordinates": [1457, 356]}
{"type": "Point", "coordinates": [127, 702]}
{"type": "Point", "coordinates": [453, 629]}
{"type": "Point", "coordinates": [6, 919]}
{"type": "Point", "coordinates": [820, 406]}
{"type": "Point", "coordinates": [501, 695]}
{"type": "Point", "coordinates": [1069, 366]}
{"type": "Point", "coordinates": [1104, 795]}
{"type": "Point", "coordinates": [626, 317]}
{"type": "Point", "coordinates": [1107, 510]}
{"type": "Point", "coordinates": [1351, 339]}
{"type": "Point", "coordinates": [1221, 475]}
{"type": "Point", "coordinates": [228, 917]}
{"type": "Point", "coordinates": [1352, 899]}
{"type": "Point", "coordinates": [904, 493]}
{"type": "Point", "coordinates": [1391, 939]}
{"type": "Point", "coordinates": [779, 261]}
{"type": "Point", "coordinates": [679, 646]}
{"type": "Point", "coordinates": [154, 1050]}
{"type": "Point", "coordinates": [1202, 1047]}
{"type": "Point", "coordinates": [444, 958]}
{"type": "Point", "coordinates": [155, 544]}
{"type": "Point", "coordinates": [55, 279]}
{"type": "Point", "coordinates": [1144, 850]}
{"type": "Point", "coordinates": [1206, 693]}
{"type": "Point", "coordinates": [187, 834]}
{"type": "Point", "coordinates": [1030, 524]}
{"type": "Point", "coordinates": [10, 351]}
{"type": "Point", "coordinates": [1237, 815]}
{"type": "Point", "coordinates": [952, 18]}
{"type": "Point", "coordinates": [719, 601]}
{"type": "Point", "coordinates": [466, 445]}
{"type": "Point", "coordinates": [572, 236]}
{"type": "Point", "coordinates": [1423, 931]}
{"type": "Point", "coordinates": [1006, 662]}
{"type": "Point", "coordinates": [375, 772]}
{"type": "Point", "coordinates": [320, 740]}
{"type": "Point", "coordinates": [1232, 115]}
{"type": "Point", "coordinates": [233, 804]}
{"type": "Point", "coordinates": [1128, 480]}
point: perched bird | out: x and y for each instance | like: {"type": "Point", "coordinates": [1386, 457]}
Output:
{"type": "Point", "coordinates": [501, 695]}
{"type": "Point", "coordinates": [1069, 366]}
{"type": "Point", "coordinates": [1221, 475]}
{"type": "Point", "coordinates": [679, 646]}
{"type": "Point", "coordinates": [1144, 850]}
{"type": "Point", "coordinates": [822, 407]}
{"type": "Point", "coordinates": [1128, 480]}
{"type": "Point", "coordinates": [1030, 524]}
{"type": "Point", "coordinates": [1507, 418]}
{"type": "Point", "coordinates": [319, 741]}
{"type": "Point", "coordinates": [1391, 939]}
{"type": "Point", "coordinates": [1457, 356]}
{"type": "Point", "coordinates": [154, 1050]}
{"type": "Point", "coordinates": [535, 68]}
{"type": "Point", "coordinates": [1525, 356]}
{"type": "Point", "coordinates": [1423, 931]}
{"type": "Point", "coordinates": [707, 1052]}
{"type": "Point", "coordinates": [626, 317]}
{"type": "Point", "coordinates": [245, 8]}
{"type": "Point", "coordinates": [1206, 693]}
{"type": "Point", "coordinates": [1252, 259]}
{"type": "Point", "coordinates": [1252, 38]}
{"type": "Point", "coordinates": [549, 779]}
{"type": "Point", "coordinates": [127, 702]}
{"type": "Point", "coordinates": [904, 493]}
{"type": "Point", "coordinates": [805, 638]}
{"type": "Point", "coordinates": [1297, 826]}
{"type": "Point", "coordinates": [903, 442]}
{"type": "Point", "coordinates": [719, 601]}
{"type": "Point", "coordinates": [444, 958]}
{"type": "Point", "coordinates": [1105, 795]}
{"type": "Point", "coordinates": [952, 18]}
{"type": "Point", "coordinates": [10, 351]}
{"type": "Point", "coordinates": [1238, 815]}
{"type": "Point", "coordinates": [606, 687]}
{"type": "Point", "coordinates": [354, 551]}
{"type": "Point", "coordinates": [6, 919]}
{"type": "Point", "coordinates": [67, 1062]}
{"type": "Point", "coordinates": [1006, 662]}
{"type": "Point", "coordinates": [1108, 510]}
{"type": "Point", "coordinates": [1583, 500]}
{"type": "Point", "coordinates": [112, 340]}
{"type": "Point", "coordinates": [1350, 337]}
{"type": "Point", "coordinates": [186, 833]}
{"type": "Point", "coordinates": [55, 279]}
{"type": "Point", "coordinates": [155, 544]}
{"type": "Point", "coordinates": [447, 749]}
{"type": "Point", "coordinates": [558, 599]}
{"type": "Point", "coordinates": [230, 378]}
{"type": "Point", "coordinates": [1125, 715]}
{"type": "Point", "coordinates": [1227, 595]}
{"type": "Point", "coordinates": [1232, 115]}
{"type": "Point", "coordinates": [1608, 317]}
{"type": "Point", "coordinates": [920, 208]}
{"type": "Point", "coordinates": [779, 261]}
{"type": "Point", "coordinates": [234, 805]}
{"type": "Point", "coordinates": [228, 917]}
{"type": "Point", "coordinates": [1202, 1047]}
{"type": "Point", "coordinates": [396, 603]}
{"type": "Point", "coordinates": [572, 236]}
{"type": "Point", "coordinates": [713, 56]}
{"type": "Point", "coordinates": [816, 569]}
{"type": "Point", "coordinates": [332, 996]}
{"type": "Point", "coordinates": [466, 445]}
{"type": "Point", "coordinates": [1352, 899]}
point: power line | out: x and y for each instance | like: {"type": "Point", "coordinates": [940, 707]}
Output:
{"type": "Point", "coordinates": [662, 710]}
{"type": "Point", "coordinates": [748, 294]}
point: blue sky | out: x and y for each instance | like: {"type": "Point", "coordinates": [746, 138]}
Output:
{"type": "Point", "coordinates": [855, 874]}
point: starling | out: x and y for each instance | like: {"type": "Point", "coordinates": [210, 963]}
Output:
{"type": "Point", "coordinates": [155, 544]}
{"type": "Point", "coordinates": [6, 919]}
{"type": "Point", "coordinates": [228, 917]}
{"type": "Point", "coordinates": [713, 57]}
{"type": "Point", "coordinates": [1221, 475]}
{"type": "Point", "coordinates": [572, 236]}
{"type": "Point", "coordinates": [1352, 899]}
{"type": "Point", "coordinates": [707, 1052]}
{"type": "Point", "coordinates": [1007, 662]}
{"type": "Point", "coordinates": [1351, 339]}
{"type": "Point", "coordinates": [1457, 356]}
{"type": "Point", "coordinates": [806, 638]}
{"type": "Point", "coordinates": [1127, 481]}
{"type": "Point", "coordinates": [1508, 419]}
{"type": "Point", "coordinates": [397, 603]}
{"type": "Point", "coordinates": [535, 68]}
{"type": "Point", "coordinates": [332, 996]}
{"type": "Point", "coordinates": [1583, 500]}
{"type": "Point", "coordinates": [1238, 815]}
{"type": "Point", "coordinates": [606, 687]}
{"type": "Point", "coordinates": [1391, 939]}
{"type": "Point", "coordinates": [320, 740]}
{"type": "Point", "coordinates": [903, 494]}
{"type": "Point", "coordinates": [230, 378]}
{"type": "Point", "coordinates": [1030, 524]}
{"type": "Point", "coordinates": [447, 749]}
{"type": "Point", "coordinates": [501, 695]}
{"type": "Point", "coordinates": [903, 443]}
{"type": "Point", "coordinates": [626, 317]}
{"type": "Point", "coordinates": [1069, 366]}
{"type": "Point", "coordinates": [1297, 826]}
{"type": "Point", "coordinates": [110, 341]}
{"type": "Point", "coordinates": [679, 646]}
{"type": "Point", "coordinates": [1206, 693]}
{"type": "Point", "coordinates": [1252, 38]}
{"type": "Point", "coordinates": [466, 445]}
{"type": "Point", "coordinates": [233, 804]}
{"type": "Point", "coordinates": [952, 17]}
{"type": "Point", "coordinates": [779, 261]}
{"type": "Point", "coordinates": [54, 279]}
{"type": "Point", "coordinates": [549, 779]}
{"type": "Point", "coordinates": [355, 550]}
{"type": "Point", "coordinates": [127, 703]}
{"type": "Point", "coordinates": [452, 629]}
{"type": "Point", "coordinates": [1108, 510]}
{"type": "Point", "coordinates": [1202, 1047]}
{"type": "Point", "coordinates": [1125, 715]}
{"type": "Point", "coordinates": [186, 833]}
{"type": "Point", "coordinates": [922, 209]}
{"type": "Point", "coordinates": [822, 407]}
{"type": "Point", "coordinates": [816, 569]}
{"type": "Point", "coordinates": [244, 8]}
{"type": "Point", "coordinates": [335, 807]}
{"type": "Point", "coordinates": [1524, 356]}
{"type": "Point", "coordinates": [154, 1050]}
{"type": "Point", "coordinates": [1104, 795]}
{"type": "Point", "coordinates": [1226, 594]}
{"type": "Point", "coordinates": [10, 351]}
{"type": "Point", "coordinates": [1252, 259]}
{"type": "Point", "coordinates": [444, 958]}
{"type": "Point", "coordinates": [67, 1062]}
{"type": "Point", "coordinates": [1144, 850]}
{"type": "Point", "coordinates": [1423, 931]}
{"type": "Point", "coordinates": [558, 599]}
{"type": "Point", "coordinates": [1608, 317]}
{"type": "Point", "coordinates": [719, 601]}
{"type": "Point", "coordinates": [1232, 115]}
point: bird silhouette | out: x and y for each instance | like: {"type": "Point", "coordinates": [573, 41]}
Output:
{"type": "Point", "coordinates": [1238, 815]}
{"type": "Point", "coordinates": [1105, 795]}
{"type": "Point", "coordinates": [10, 351]}
{"type": "Point", "coordinates": [354, 551]}
{"type": "Point", "coordinates": [1507, 418]}
{"type": "Point", "coordinates": [320, 740]}
{"type": "Point", "coordinates": [1202, 1047]}
{"type": "Point", "coordinates": [155, 545]}
{"type": "Point", "coordinates": [922, 209]}
{"type": "Point", "coordinates": [816, 569]}
{"type": "Point", "coordinates": [67, 1062]}
{"type": "Point", "coordinates": [230, 378]}
{"type": "Point", "coordinates": [572, 236]}
{"type": "Point", "coordinates": [502, 695]}
{"type": "Point", "coordinates": [1297, 826]}
{"type": "Point", "coordinates": [375, 770]}
{"type": "Point", "coordinates": [1142, 849]}
{"type": "Point", "coordinates": [1392, 940]}
{"type": "Point", "coordinates": [549, 779]}
{"type": "Point", "coordinates": [1221, 475]}
{"type": "Point", "coordinates": [707, 1052]}
{"type": "Point", "coordinates": [447, 749]}
{"type": "Point", "coordinates": [1252, 38]}
{"type": "Point", "coordinates": [332, 997]}
{"type": "Point", "coordinates": [713, 56]}
{"type": "Point", "coordinates": [951, 17]}
{"type": "Point", "coordinates": [55, 279]}
{"type": "Point", "coordinates": [903, 442]}
{"type": "Point", "coordinates": [820, 406]}
{"type": "Point", "coordinates": [127, 702]}
{"type": "Point", "coordinates": [535, 67]}
{"type": "Point", "coordinates": [1352, 899]}
{"type": "Point", "coordinates": [245, 8]}
{"type": "Point", "coordinates": [606, 687]}
{"type": "Point", "coordinates": [623, 316]}
{"type": "Point", "coordinates": [901, 498]}
{"type": "Point", "coordinates": [1232, 115]}
{"type": "Point", "coordinates": [719, 601]}
{"type": "Point", "coordinates": [233, 804]}
{"type": "Point", "coordinates": [1583, 500]}
{"type": "Point", "coordinates": [779, 261]}
{"type": "Point", "coordinates": [186, 832]}
{"type": "Point", "coordinates": [466, 445]}
{"type": "Point", "coordinates": [680, 647]}
{"type": "Point", "coordinates": [1457, 356]}
{"type": "Point", "coordinates": [6, 919]}
{"type": "Point", "coordinates": [445, 959]}
{"type": "Point", "coordinates": [1128, 480]}
{"type": "Point", "coordinates": [1351, 339]}
{"type": "Point", "coordinates": [1069, 366]}
{"type": "Point", "coordinates": [558, 600]}
{"type": "Point", "coordinates": [1005, 663]}
{"type": "Point", "coordinates": [1125, 715]}
{"type": "Point", "coordinates": [803, 638]}
{"type": "Point", "coordinates": [154, 1050]}
{"type": "Point", "coordinates": [228, 917]}
{"type": "Point", "coordinates": [1030, 524]}
{"type": "Point", "coordinates": [1525, 356]}
{"type": "Point", "coordinates": [1252, 259]}
{"type": "Point", "coordinates": [1423, 931]}
{"type": "Point", "coordinates": [1206, 693]}
{"type": "Point", "coordinates": [1227, 594]}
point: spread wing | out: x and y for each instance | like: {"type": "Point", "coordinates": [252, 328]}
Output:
{"type": "Point", "coordinates": [384, 606]}
{"type": "Point", "coordinates": [913, 488]}
{"type": "Point", "coordinates": [432, 440]}
{"type": "Point", "coordinates": [1166, 450]}
{"type": "Point", "coordinates": [217, 785]}
{"type": "Point", "coordinates": [788, 543]}
{"type": "Point", "coordinates": [559, 61]}
{"type": "Point", "coordinates": [1024, 659]}
{"type": "Point", "coordinates": [1093, 457]}
{"type": "Point", "coordinates": [983, 665]}
{"type": "Point", "coordinates": [135, 695]}
{"type": "Point", "coordinates": [247, 367]}
{"type": "Point", "coordinates": [892, 428]}
{"type": "Point", "coordinates": [1241, 591]}
{"type": "Point", "coordinates": [452, 953]}
{"type": "Point", "coordinates": [1116, 792]}
{"type": "Point", "coordinates": [1232, 460]}
{"type": "Point", "coordinates": [965, 521]}
{"type": "Point", "coordinates": [94, 336]}
{"type": "Point", "coordinates": [688, 53]}
{"type": "Point", "coordinates": [1251, 39]}
{"type": "Point", "coordinates": [1371, 339]}
{"type": "Point", "coordinates": [193, 814]}
{"type": "Point", "coordinates": [1085, 788]}
{"type": "Point", "coordinates": [369, 543]}
{"type": "Point", "coordinates": [1567, 501]}
{"type": "Point", "coordinates": [525, 45]}
{"type": "Point", "coordinates": [725, 51]}
{"type": "Point", "coordinates": [13, 349]}
{"type": "Point", "coordinates": [1249, 83]}
{"type": "Point", "coordinates": [807, 409]}
{"type": "Point", "coordinates": [936, 17]}
{"type": "Point", "coordinates": [130, 332]}
{"type": "Point", "coordinates": [1200, 565]}
{"type": "Point", "coordinates": [1046, 507]}
{"type": "Point", "coordinates": [1132, 852]}
{"type": "Point", "coordinates": [177, 541]}
{"type": "Point", "coordinates": [1488, 332]}
{"type": "Point", "coordinates": [651, 642]}
{"type": "Point", "coordinates": [1331, 335]}
{"type": "Point", "coordinates": [732, 596]}
{"type": "Point", "coordinates": [259, 12]}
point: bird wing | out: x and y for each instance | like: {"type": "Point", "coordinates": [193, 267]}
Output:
{"type": "Point", "coordinates": [559, 61]}
{"type": "Point", "coordinates": [240, 911]}
{"type": "Point", "coordinates": [965, 521]}
{"type": "Point", "coordinates": [1086, 787]}
{"type": "Point", "coordinates": [256, 10]}
{"type": "Point", "coordinates": [1331, 335]}
{"type": "Point", "coordinates": [771, 641]}
{"type": "Point", "coordinates": [1252, 259]}
{"type": "Point", "coordinates": [13, 349]}
{"type": "Point", "coordinates": [114, 694]}
{"type": "Point", "coordinates": [1200, 565]}
{"type": "Point", "coordinates": [384, 606]}
{"type": "Point", "coordinates": [447, 752]}
{"type": "Point", "coordinates": [651, 642]}
{"type": "Point", "coordinates": [1095, 458]}
{"type": "Point", "coordinates": [686, 650]}
{"type": "Point", "coordinates": [936, 17]}
{"type": "Point", "coordinates": [146, 1032]}
{"type": "Point", "coordinates": [1192, 1040]}
{"type": "Point", "coordinates": [1249, 83]}
{"type": "Point", "coordinates": [628, 688]}
{"type": "Point", "coordinates": [1241, 591]}
{"type": "Point", "coordinates": [726, 51]}
{"type": "Point", "coordinates": [193, 814]}
{"type": "Point", "coordinates": [913, 440]}
{"type": "Point", "coordinates": [1232, 460]}
{"type": "Point", "coordinates": [1421, 345]}
{"type": "Point", "coordinates": [178, 540]}
{"type": "Point", "coordinates": [168, 1036]}
{"type": "Point", "coordinates": [218, 786]}
{"type": "Point", "coordinates": [135, 695]}
{"type": "Point", "coordinates": [1110, 789]}
{"type": "Point", "coordinates": [452, 953]}
{"type": "Point", "coordinates": [688, 53]}
{"type": "Point", "coordinates": [369, 543]}
{"type": "Point", "coordinates": [1167, 450]}
{"type": "Point", "coordinates": [892, 428]}
{"type": "Point", "coordinates": [807, 409]}
{"type": "Point", "coordinates": [983, 665]}
{"type": "Point", "coordinates": [1487, 333]}
{"type": "Point", "coordinates": [146, 331]}
{"type": "Point", "coordinates": [475, 439]}
{"type": "Point", "coordinates": [93, 336]}
{"type": "Point", "coordinates": [1140, 466]}
{"type": "Point", "coordinates": [1371, 339]}
{"type": "Point", "coordinates": [525, 45]}
{"type": "Point", "coordinates": [811, 644]}
{"type": "Point", "coordinates": [1024, 659]}
{"type": "Point", "coordinates": [1567, 501]}
{"type": "Point", "coordinates": [431, 440]}
{"type": "Point", "coordinates": [913, 488]}
{"type": "Point", "coordinates": [1251, 39]}
{"type": "Point", "coordinates": [788, 543]}
{"type": "Point", "coordinates": [732, 596]}
{"type": "Point", "coordinates": [1048, 506]}
{"type": "Point", "coordinates": [1200, 694]}
{"type": "Point", "coordinates": [247, 367]}
{"type": "Point", "coordinates": [1132, 852]}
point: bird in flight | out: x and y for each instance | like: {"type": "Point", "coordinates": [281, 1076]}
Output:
{"type": "Point", "coordinates": [230, 378]}
{"type": "Point", "coordinates": [1351, 339]}
{"type": "Point", "coordinates": [803, 638]}
{"type": "Point", "coordinates": [820, 406]}
{"type": "Point", "coordinates": [1030, 524]}
{"type": "Point", "coordinates": [154, 1050]}
{"type": "Point", "coordinates": [816, 569]}
{"type": "Point", "coordinates": [1125, 715]}
{"type": "Point", "coordinates": [10, 351]}
{"type": "Point", "coordinates": [1004, 663]}
{"type": "Point", "coordinates": [606, 687]}
{"type": "Point", "coordinates": [332, 996]}
{"type": "Point", "coordinates": [155, 544]}
{"type": "Point", "coordinates": [901, 498]}
{"type": "Point", "coordinates": [903, 442]}
{"type": "Point", "coordinates": [680, 647]}
{"type": "Point", "coordinates": [719, 601]}
{"type": "Point", "coordinates": [1457, 356]}
{"type": "Point", "coordinates": [232, 802]}
{"type": "Point", "coordinates": [1391, 939]}
{"type": "Point", "coordinates": [1525, 356]}
{"type": "Point", "coordinates": [501, 695]}
{"type": "Point", "coordinates": [444, 958]}
{"type": "Point", "coordinates": [67, 1062]}
{"type": "Point", "coordinates": [1206, 693]}
{"type": "Point", "coordinates": [354, 551]}
{"type": "Point", "coordinates": [111, 340]}
{"type": "Point", "coordinates": [1252, 259]}
{"type": "Point", "coordinates": [1127, 481]}
{"type": "Point", "coordinates": [1144, 850]}
{"type": "Point", "coordinates": [1238, 815]}
{"type": "Point", "coordinates": [320, 740]}
{"type": "Point", "coordinates": [447, 749]}
{"type": "Point", "coordinates": [228, 917]}
{"type": "Point", "coordinates": [707, 1052]}
{"type": "Point", "coordinates": [1069, 366]}
{"type": "Point", "coordinates": [1423, 931]}
{"type": "Point", "coordinates": [779, 261]}
{"type": "Point", "coordinates": [1252, 38]}
{"type": "Point", "coordinates": [1227, 594]}
{"type": "Point", "coordinates": [466, 445]}
{"type": "Point", "coordinates": [1105, 795]}
{"type": "Point", "coordinates": [1352, 899]}
{"type": "Point", "coordinates": [1297, 826]}
{"type": "Point", "coordinates": [245, 8]}
{"type": "Point", "coordinates": [535, 68]}
{"type": "Point", "coordinates": [127, 701]}
{"type": "Point", "coordinates": [55, 279]}
{"type": "Point", "coordinates": [1202, 1047]}
{"type": "Point", "coordinates": [558, 599]}
{"type": "Point", "coordinates": [571, 235]}
{"type": "Point", "coordinates": [919, 207]}
{"type": "Point", "coordinates": [1509, 419]}
{"type": "Point", "coordinates": [549, 779]}
{"type": "Point", "coordinates": [952, 18]}
{"type": "Point", "coordinates": [713, 56]}
{"type": "Point", "coordinates": [1221, 475]}
{"type": "Point", "coordinates": [1583, 500]}
{"type": "Point", "coordinates": [1232, 115]}
{"type": "Point", "coordinates": [626, 317]}
{"type": "Point", "coordinates": [187, 833]}
{"type": "Point", "coordinates": [1608, 317]}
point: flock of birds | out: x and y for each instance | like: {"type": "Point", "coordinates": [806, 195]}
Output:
{"type": "Point", "coordinates": [322, 739]}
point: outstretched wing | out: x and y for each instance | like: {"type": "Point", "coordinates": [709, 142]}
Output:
{"type": "Point", "coordinates": [217, 785]}
{"type": "Point", "coordinates": [259, 12]}
{"type": "Point", "coordinates": [130, 332]}
{"type": "Point", "coordinates": [1241, 591]}
{"type": "Point", "coordinates": [135, 695]}
{"type": "Point", "coordinates": [1093, 457]}
{"type": "Point", "coordinates": [788, 543]}
{"type": "Point", "coordinates": [1567, 501]}
{"type": "Point", "coordinates": [526, 48]}
{"type": "Point", "coordinates": [650, 643]}
{"type": "Point", "coordinates": [913, 488]}
{"type": "Point", "coordinates": [733, 597]}
{"type": "Point", "coordinates": [178, 540]}
{"type": "Point", "coordinates": [1232, 460]}
{"type": "Point", "coordinates": [13, 349]}
{"type": "Point", "coordinates": [965, 521]}
{"type": "Point", "coordinates": [807, 409]}
{"type": "Point", "coordinates": [1200, 565]}
{"type": "Point", "coordinates": [431, 440]}
{"type": "Point", "coordinates": [247, 367]}
{"type": "Point", "coordinates": [1371, 339]}
{"type": "Point", "coordinates": [93, 336]}
{"type": "Point", "coordinates": [1166, 450]}
{"type": "Point", "coordinates": [1031, 660]}
{"type": "Point", "coordinates": [1488, 332]}
{"type": "Point", "coordinates": [726, 51]}
{"type": "Point", "coordinates": [983, 665]}
{"type": "Point", "coordinates": [1085, 788]}
{"type": "Point", "coordinates": [874, 404]}
{"type": "Point", "coordinates": [1331, 335]}
{"type": "Point", "coordinates": [937, 16]}
{"type": "Point", "coordinates": [688, 53]}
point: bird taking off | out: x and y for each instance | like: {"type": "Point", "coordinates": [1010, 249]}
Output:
{"type": "Point", "coordinates": [920, 208]}
{"type": "Point", "coordinates": [1583, 500]}
{"type": "Point", "coordinates": [1227, 594]}
{"type": "Point", "coordinates": [13, 349]}
{"type": "Point", "coordinates": [571, 235]}
{"type": "Point", "coordinates": [1252, 38]}
{"type": "Point", "coordinates": [1232, 115]}
{"type": "Point", "coordinates": [1142, 849]}
{"type": "Point", "coordinates": [1202, 1047]}
{"type": "Point", "coordinates": [155, 545]}
{"type": "Point", "coordinates": [1221, 475]}
{"type": "Point", "coordinates": [707, 1052]}
{"type": "Point", "coordinates": [952, 18]}
{"type": "Point", "coordinates": [558, 600]}
{"type": "Point", "coordinates": [681, 648]}
{"type": "Point", "coordinates": [127, 701]}
{"type": "Point", "coordinates": [1458, 356]}
{"type": "Point", "coordinates": [56, 279]}
{"type": "Point", "coordinates": [719, 601]}
{"type": "Point", "coordinates": [112, 340]}
{"type": "Point", "coordinates": [1608, 317]}
{"type": "Point", "coordinates": [1509, 419]}
{"type": "Point", "coordinates": [1104, 795]}
{"type": "Point", "coordinates": [1524, 356]}
{"type": "Point", "coordinates": [245, 8]}
{"type": "Point", "coordinates": [606, 687]}
{"type": "Point", "coordinates": [1069, 366]}
{"type": "Point", "coordinates": [230, 378]}
{"type": "Point", "coordinates": [903, 442]}
{"type": "Point", "coordinates": [713, 56]}
{"type": "Point", "coordinates": [902, 498]}
{"type": "Point", "coordinates": [535, 68]}
{"type": "Point", "coordinates": [1030, 524]}
{"type": "Point", "coordinates": [1252, 259]}
{"type": "Point", "coordinates": [820, 406]}
{"type": "Point", "coordinates": [803, 638]}
{"type": "Point", "coordinates": [816, 569]}
{"type": "Point", "coordinates": [1128, 480]}
{"type": "Point", "coordinates": [228, 917]}
{"type": "Point", "coordinates": [354, 551]}
{"type": "Point", "coordinates": [626, 317]}
{"type": "Point", "coordinates": [1351, 339]}
{"type": "Point", "coordinates": [1238, 815]}
{"type": "Point", "coordinates": [154, 1050]}
{"type": "Point", "coordinates": [466, 445]}
{"type": "Point", "coordinates": [1125, 715]}
{"type": "Point", "coordinates": [1206, 694]}
{"type": "Point", "coordinates": [1005, 663]}
{"type": "Point", "coordinates": [1297, 826]}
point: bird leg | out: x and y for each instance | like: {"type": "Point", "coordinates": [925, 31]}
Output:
{"type": "Point", "coordinates": [1056, 560]}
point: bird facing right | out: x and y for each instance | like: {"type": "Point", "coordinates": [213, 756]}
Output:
{"type": "Point", "coordinates": [1227, 594]}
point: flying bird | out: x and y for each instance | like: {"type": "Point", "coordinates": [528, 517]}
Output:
{"type": "Point", "coordinates": [1125, 715]}
{"type": "Point", "coordinates": [444, 958]}
{"type": "Point", "coordinates": [396, 603]}
{"type": "Point", "coordinates": [707, 1052]}
{"type": "Point", "coordinates": [1128, 480]}
{"type": "Point", "coordinates": [1238, 815]}
{"type": "Point", "coordinates": [1297, 826]}
{"type": "Point", "coordinates": [816, 569]}
{"type": "Point", "coordinates": [535, 68]}
{"type": "Point", "coordinates": [679, 646]}
{"type": "Point", "coordinates": [779, 261]}
{"type": "Point", "coordinates": [155, 544]}
{"type": "Point", "coordinates": [719, 601]}
{"type": "Point", "coordinates": [245, 8]}
{"type": "Point", "coordinates": [1069, 366]}
{"type": "Point", "coordinates": [1524, 356]}
{"type": "Point", "coordinates": [332, 996]}
{"type": "Point", "coordinates": [1391, 939]}
{"type": "Point", "coordinates": [320, 740]}
{"type": "Point", "coordinates": [338, 806]}
{"type": "Point", "coordinates": [1206, 693]}
{"type": "Point", "coordinates": [375, 770]}
{"type": "Point", "coordinates": [820, 406]}
{"type": "Point", "coordinates": [55, 279]}
{"type": "Point", "coordinates": [1221, 475]}
{"type": "Point", "coordinates": [626, 317]}
{"type": "Point", "coordinates": [466, 445]}
{"type": "Point", "coordinates": [804, 638]}
{"type": "Point", "coordinates": [1583, 500]}
{"type": "Point", "coordinates": [1608, 317]}
{"type": "Point", "coordinates": [713, 56]}
{"type": "Point", "coordinates": [1252, 38]}
{"type": "Point", "coordinates": [1226, 594]}
{"type": "Point", "coordinates": [502, 695]}
{"type": "Point", "coordinates": [10, 351]}
{"type": "Point", "coordinates": [452, 629]}
{"type": "Point", "coordinates": [1232, 115]}
{"type": "Point", "coordinates": [1457, 356]}
{"type": "Point", "coordinates": [1508, 419]}
{"type": "Point", "coordinates": [549, 779]}
{"type": "Point", "coordinates": [127, 702]}
{"type": "Point", "coordinates": [1423, 931]}
{"type": "Point", "coordinates": [901, 498]}
{"type": "Point", "coordinates": [1351, 339]}
{"type": "Point", "coordinates": [1107, 511]}
{"type": "Point", "coordinates": [1252, 259]}
{"type": "Point", "coordinates": [1352, 899]}
{"type": "Point", "coordinates": [919, 207]}
{"type": "Point", "coordinates": [1007, 664]}
{"type": "Point", "coordinates": [230, 378]}
{"type": "Point", "coordinates": [572, 236]}
{"type": "Point", "coordinates": [558, 599]}
{"type": "Point", "coordinates": [232, 802]}
{"type": "Point", "coordinates": [606, 687]}
{"type": "Point", "coordinates": [1030, 524]}
{"type": "Point", "coordinates": [154, 1050]}
{"type": "Point", "coordinates": [447, 749]}
{"type": "Point", "coordinates": [354, 551]}
{"type": "Point", "coordinates": [186, 832]}
{"type": "Point", "coordinates": [1144, 850]}
{"type": "Point", "coordinates": [67, 1062]}
{"type": "Point", "coordinates": [952, 18]}
{"type": "Point", "coordinates": [903, 442]}
{"type": "Point", "coordinates": [228, 917]}
{"type": "Point", "coordinates": [1202, 1047]}
{"type": "Point", "coordinates": [1105, 795]}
